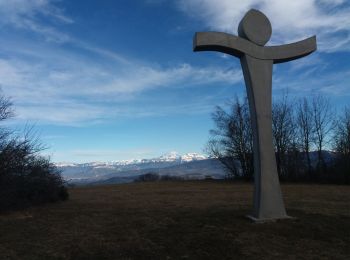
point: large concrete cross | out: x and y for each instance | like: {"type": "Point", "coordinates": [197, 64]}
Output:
{"type": "Point", "coordinates": [257, 61]}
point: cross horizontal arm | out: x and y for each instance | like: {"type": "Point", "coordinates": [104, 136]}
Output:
{"type": "Point", "coordinates": [293, 51]}
{"type": "Point", "coordinates": [222, 42]}
{"type": "Point", "coordinates": [236, 46]}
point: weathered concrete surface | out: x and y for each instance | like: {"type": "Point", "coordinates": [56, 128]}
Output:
{"type": "Point", "coordinates": [268, 201]}
{"type": "Point", "coordinates": [257, 62]}
{"type": "Point", "coordinates": [255, 27]}
{"type": "Point", "coordinates": [236, 46]}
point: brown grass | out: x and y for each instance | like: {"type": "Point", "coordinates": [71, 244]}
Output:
{"type": "Point", "coordinates": [179, 220]}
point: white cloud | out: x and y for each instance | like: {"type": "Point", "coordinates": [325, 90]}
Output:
{"type": "Point", "coordinates": [52, 84]}
{"type": "Point", "coordinates": [310, 81]}
{"type": "Point", "coordinates": [64, 114]}
{"type": "Point", "coordinates": [111, 153]}
{"type": "Point", "coordinates": [61, 88]}
{"type": "Point", "coordinates": [23, 14]}
{"type": "Point", "coordinates": [103, 155]}
{"type": "Point", "coordinates": [291, 20]}
{"type": "Point", "coordinates": [140, 78]}
{"type": "Point", "coordinates": [49, 83]}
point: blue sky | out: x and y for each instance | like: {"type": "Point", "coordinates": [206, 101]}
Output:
{"type": "Point", "coordinates": [117, 79]}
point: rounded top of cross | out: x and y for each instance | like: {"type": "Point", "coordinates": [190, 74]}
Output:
{"type": "Point", "coordinates": [255, 27]}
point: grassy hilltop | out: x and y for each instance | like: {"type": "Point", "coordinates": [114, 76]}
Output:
{"type": "Point", "coordinates": [179, 220]}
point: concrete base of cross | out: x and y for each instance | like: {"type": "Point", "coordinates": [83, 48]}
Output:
{"type": "Point", "coordinates": [266, 220]}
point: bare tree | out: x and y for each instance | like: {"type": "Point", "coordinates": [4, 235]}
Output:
{"type": "Point", "coordinates": [305, 129]}
{"type": "Point", "coordinates": [283, 130]}
{"type": "Point", "coordinates": [231, 141]}
{"type": "Point", "coordinates": [322, 122]}
{"type": "Point", "coordinates": [341, 145]}
{"type": "Point", "coordinates": [17, 152]}
{"type": "Point", "coordinates": [342, 133]}
{"type": "Point", "coordinates": [215, 149]}
{"type": "Point", "coordinates": [26, 177]}
{"type": "Point", "coordinates": [6, 110]}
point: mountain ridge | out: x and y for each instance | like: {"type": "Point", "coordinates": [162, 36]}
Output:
{"type": "Point", "coordinates": [168, 157]}
{"type": "Point", "coordinates": [92, 171]}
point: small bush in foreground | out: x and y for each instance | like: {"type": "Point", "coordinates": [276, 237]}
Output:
{"type": "Point", "coordinates": [26, 178]}
{"type": "Point", "coordinates": [37, 183]}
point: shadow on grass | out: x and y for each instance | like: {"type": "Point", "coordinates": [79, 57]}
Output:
{"type": "Point", "coordinates": [219, 233]}
{"type": "Point", "coordinates": [177, 221]}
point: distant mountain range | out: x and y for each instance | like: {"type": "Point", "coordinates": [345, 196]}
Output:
{"type": "Point", "coordinates": [190, 165]}
{"type": "Point", "coordinates": [169, 157]}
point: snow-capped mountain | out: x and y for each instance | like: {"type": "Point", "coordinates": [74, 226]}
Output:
{"type": "Point", "coordinates": [189, 157]}
{"type": "Point", "coordinates": [71, 171]}
{"type": "Point", "coordinates": [169, 157]}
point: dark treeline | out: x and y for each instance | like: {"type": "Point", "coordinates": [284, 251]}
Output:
{"type": "Point", "coordinates": [312, 142]}
{"type": "Point", "coordinates": [26, 178]}
{"type": "Point", "coordinates": [153, 177]}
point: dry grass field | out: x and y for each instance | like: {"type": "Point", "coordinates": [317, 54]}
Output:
{"type": "Point", "coordinates": [179, 220]}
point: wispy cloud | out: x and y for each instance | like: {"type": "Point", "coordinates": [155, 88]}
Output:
{"type": "Point", "coordinates": [50, 83]}
{"type": "Point", "coordinates": [112, 153]}
{"type": "Point", "coordinates": [74, 90]}
{"type": "Point", "coordinates": [24, 15]}
{"type": "Point", "coordinates": [310, 81]}
{"type": "Point", "coordinates": [140, 78]}
{"type": "Point", "coordinates": [291, 20]}
{"type": "Point", "coordinates": [84, 155]}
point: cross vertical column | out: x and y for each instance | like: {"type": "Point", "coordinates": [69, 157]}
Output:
{"type": "Point", "coordinates": [268, 201]}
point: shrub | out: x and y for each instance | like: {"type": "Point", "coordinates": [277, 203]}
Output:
{"type": "Point", "coordinates": [150, 176]}
{"type": "Point", "coordinates": [171, 178]}
{"type": "Point", "coordinates": [26, 178]}
{"type": "Point", "coordinates": [39, 182]}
